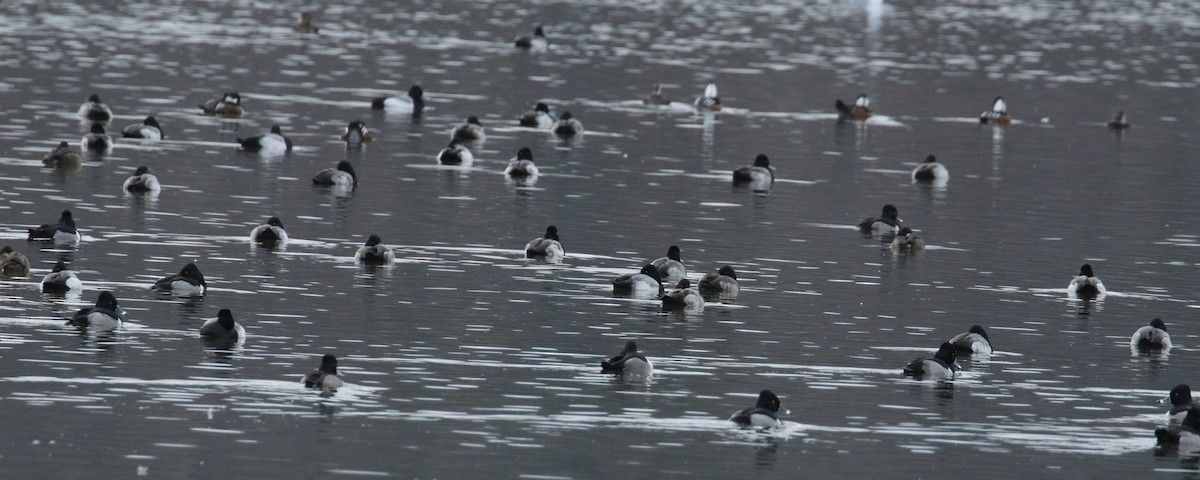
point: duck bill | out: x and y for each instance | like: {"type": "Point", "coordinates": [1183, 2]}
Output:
{"type": "Point", "coordinates": [121, 314]}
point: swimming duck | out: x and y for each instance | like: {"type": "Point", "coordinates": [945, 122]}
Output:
{"type": "Point", "coordinates": [106, 314]}
{"type": "Point", "coordinates": [469, 131]}
{"type": "Point", "coordinates": [709, 101]}
{"type": "Point", "coordinates": [455, 154]}
{"type": "Point", "coordinates": [62, 232]}
{"type": "Point", "coordinates": [189, 281]}
{"type": "Point", "coordinates": [270, 143]}
{"type": "Point", "coordinates": [63, 156]}
{"type": "Point", "coordinates": [723, 283]}
{"type": "Point", "coordinates": [269, 233]}
{"type": "Point", "coordinates": [645, 282]}
{"type": "Point", "coordinates": [1086, 283]}
{"type": "Point", "coordinates": [61, 280]}
{"type": "Point", "coordinates": [356, 134]}
{"type": "Point", "coordinates": [539, 117]}
{"type": "Point", "coordinates": [1153, 336]}
{"type": "Point", "coordinates": [223, 327]}
{"type": "Point", "coordinates": [1186, 435]}
{"type": "Point", "coordinates": [95, 110]}
{"type": "Point", "coordinates": [975, 340]}
{"type": "Point", "coordinates": [374, 252]}
{"type": "Point", "coordinates": [547, 247]}
{"type": "Point", "coordinates": [566, 125]}
{"type": "Point", "coordinates": [229, 105]}
{"type": "Point", "coordinates": [304, 23]}
{"type": "Point", "coordinates": [629, 361]}
{"type": "Point", "coordinates": [683, 297]}
{"type": "Point", "coordinates": [887, 222]}
{"type": "Point", "coordinates": [149, 129]}
{"type": "Point", "coordinates": [761, 173]}
{"type": "Point", "coordinates": [1119, 121]}
{"type": "Point", "coordinates": [341, 176]}
{"type": "Point", "coordinates": [1180, 399]}
{"type": "Point", "coordinates": [942, 365]}
{"type": "Point", "coordinates": [96, 140]}
{"type": "Point", "coordinates": [656, 97]}
{"type": "Point", "coordinates": [414, 104]}
{"type": "Point", "coordinates": [537, 41]}
{"type": "Point", "coordinates": [325, 377]}
{"type": "Point", "coordinates": [931, 170]}
{"type": "Point", "coordinates": [998, 114]}
{"type": "Point", "coordinates": [764, 413]}
{"type": "Point", "coordinates": [13, 263]}
{"type": "Point", "coordinates": [142, 181]}
{"type": "Point", "coordinates": [670, 266]}
{"type": "Point", "coordinates": [522, 165]}
{"type": "Point", "coordinates": [861, 110]}
{"type": "Point", "coordinates": [907, 241]}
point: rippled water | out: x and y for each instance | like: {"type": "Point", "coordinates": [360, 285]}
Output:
{"type": "Point", "coordinates": [465, 358]}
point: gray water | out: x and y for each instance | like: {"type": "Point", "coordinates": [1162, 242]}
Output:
{"type": "Point", "coordinates": [465, 360]}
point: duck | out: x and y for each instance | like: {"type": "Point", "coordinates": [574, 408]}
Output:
{"type": "Point", "coordinates": [374, 252]}
{"type": "Point", "coordinates": [941, 366]}
{"type": "Point", "coordinates": [537, 41]}
{"type": "Point", "coordinates": [764, 413]}
{"type": "Point", "coordinates": [683, 297]}
{"type": "Point", "coordinates": [930, 170]}
{"type": "Point", "coordinates": [357, 133]}
{"type": "Point", "coordinates": [106, 314]}
{"type": "Point", "coordinates": [645, 282]}
{"type": "Point", "coordinates": [1180, 399]}
{"type": "Point", "coordinates": [270, 143]}
{"type": "Point", "coordinates": [539, 117]}
{"type": "Point", "coordinates": [340, 176]}
{"type": "Point", "coordinates": [414, 103]}
{"type": "Point", "coordinates": [1119, 121]}
{"type": "Point", "coordinates": [887, 222]}
{"type": "Point", "coordinates": [95, 110]}
{"type": "Point", "coordinates": [998, 114]}
{"type": "Point", "coordinates": [229, 105]}
{"type": "Point", "coordinates": [189, 281]}
{"type": "Point", "coordinates": [468, 131]}
{"type": "Point", "coordinates": [223, 328]}
{"type": "Point", "coordinates": [269, 233]}
{"type": "Point", "coordinates": [96, 140]}
{"type": "Point", "coordinates": [861, 110]}
{"type": "Point", "coordinates": [629, 361]}
{"type": "Point", "coordinates": [546, 247]}
{"type": "Point", "coordinates": [723, 283]}
{"type": "Point", "coordinates": [61, 280]}
{"type": "Point", "coordinates": [907, 241]}
{"type": "Point", "coordinates": [709, 101]}
{"type": "Point", "coordinates": [761, 173]}
{"type": "Point", "coordinates": [522, 165]}
{"type": "Point", "coordinates": [326, 377]}
{"type": "Point", "coordinates": [656, 97]}
{"type": "Point", "coordinates": [142, 181]}
{"type": "Point", "coordinates": [149, 129]}
{"type": "Point", "coordinates": [566, 126]}
{"type": "Point", "coordinates": [974, 340]}
{"type": "Point", "coordinates": [1086, 283]}
{"type": "Point", "coordinates": [62, 232]}
{"type": "Point", "coordinates": [455, 154]}
{"type": "Point", "coordinates": [1186, 435]}
{"type": "Point", "coordinates": [304, 23]}
{"type": "Point", "coordinates": [13, 263]}
{"type": "Point", "coordinates": [63, 156]}
{"type": "Point", "coordinates": [670, 266]}
{"type": "Point", "coordinates": [1152, 336]}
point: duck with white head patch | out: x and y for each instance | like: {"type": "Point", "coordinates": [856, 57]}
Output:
{"type": "Point", "coordinates": [413, 102]}
{"type": "Point", "coordinates": [522, 165]}
{"type": "Point", "coordinates": [671, 266]}
{"type": "Point", "coordinates": [722, 284]}
{"type": "Point", "coordinates": [96, 140]}
{"type": "Point", "coordinates": [374, 252]}
{"type": "Point", "coordinates": [1086, 283]}
{"type": "Point", "coordinates": [341, 176]}
{"type": "Point", "coordinates": [764, 413]}
{"type": "Point", "coordinates": [13, 263]}
{"type": "Point", "coordinates": [931, 170]}
{"type": "Point", "coordinates": [270, 143]}
{"type": "Point", "coordinates": [326, 376]}
{"type": "Point", "coordinates": [709, 101]}
{"type": "Point", "coordinates": [645, 283]}
{"type": "Point", "coordinates": [546, 248]}
{"type": "Point", "coordinates": [106, 314]}
{"type": "Point", "coordinates": [656, 97]}
{"type": "Point", "coordinates": [61, 280]}
{"type": "Point", "coordinates": [1152, 336]}
{"type": "Point", "coordinates": [974, 340]}
{"type": "Point", "coordinates": [63, 156]}
{"type": "Point", "coordinates": [456, 154]}
{"type": "Point", "coordinates": [1180, 399]}
{"type": "Point", "coordinates": [270, 233]}
{"type": "Point", "coordinates": [887, 222]}
{"type": "Point", "coordinates": [683, 297]}
{"type": "Point", "coordinates": [468, 131]}
{"type": "Point", "coordinates": [188, 282]}
{"type": "Point", "coordinates": [142, 181]}
{"type": "Point", "coordinates": [628, 362]}
{"type": "Point", "coordinates": [539, 117]}
{"type": "Point", "coordinates": [356, 134]}
{"type": "Point", "coordinates": [536, 42]}
{"type": "Point", "coordinates": [943, 365]}
{"type": "Point", "coordinates": [223, 328]}
{"type": "Point", "coordinates": [229, 106]}
{"type": "Point", "coordinates": [567, 126]}
{"type": "Point", "coordinates": [95, 110]}
{"type": "Point", "coordinates": [998, 115]}
{"type": "Point", "coordinates": [149, 129]}
{"type": "Point", "coordinates": [861, 110]}
{"type": "Point", "coordinates": [62, 232]}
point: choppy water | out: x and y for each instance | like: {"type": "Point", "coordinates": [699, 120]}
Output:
{"type": "Point", "coordinates": [464, 359]}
